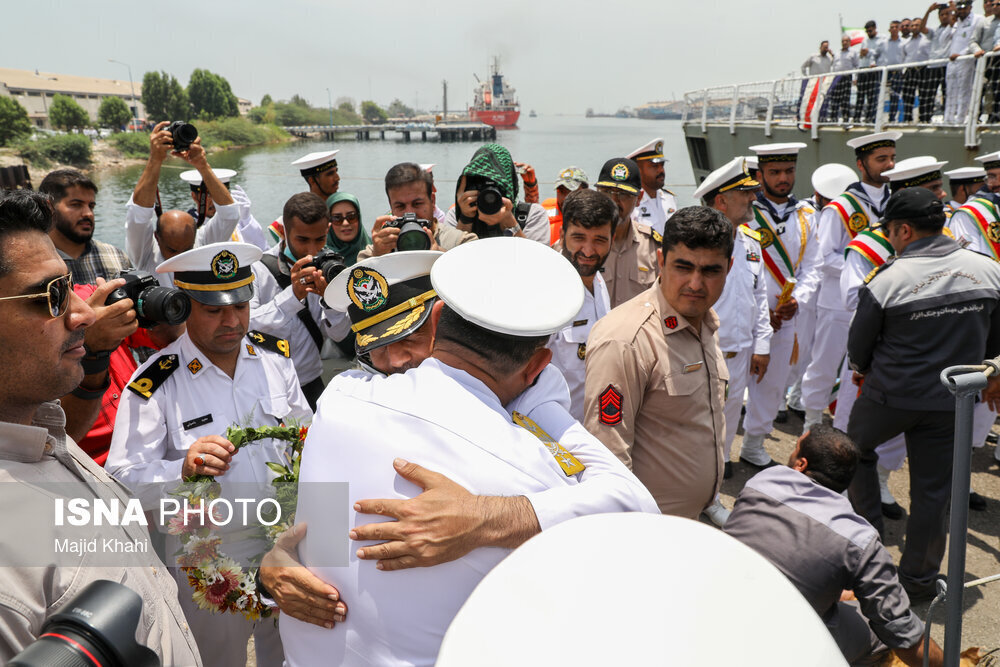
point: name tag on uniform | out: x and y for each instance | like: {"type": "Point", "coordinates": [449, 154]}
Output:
{"type": "Point", "coordinates": [643, 268]}
{"type": "Point", "coordinates": [579, 323]}
{"type": "Point", "coordinates": [198, 421]}
{"type": "Point", "coordinates": [691, 368]}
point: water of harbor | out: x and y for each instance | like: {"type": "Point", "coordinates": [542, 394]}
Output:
{"type": "Point", "coordinates": [548, 143]}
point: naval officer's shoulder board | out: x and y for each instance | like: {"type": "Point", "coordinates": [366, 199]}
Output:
{"type": "Point", "coordinates": [879, 269]}
{"type": "Point", "coordinates": [154, 375]}
{"type": "Point", "coordinates": [750, 233]}
{"type": "Point", "coordinates": [269, 343]}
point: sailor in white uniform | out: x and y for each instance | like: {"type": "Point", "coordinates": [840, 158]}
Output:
{"type": "Point", "coordinates": [171, 422]}
{"type": "Point", "coordinates": [447, 415]}
{"type": "Point", "coordinates": [791, 261]}
{"type": "Point", "coordinates": [744, 326]}
{"type": "Point", "coordinates": [963, 184]}
{"type": "Point", "coordinates": [852, 212]}
{"type": "Point", "coordinates": [655, 203]}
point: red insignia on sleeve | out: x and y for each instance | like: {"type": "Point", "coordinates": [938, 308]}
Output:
{"type": "Point", "coordinates": [611, 406]}
{"type": "Point", "coordinates": [671, 322]}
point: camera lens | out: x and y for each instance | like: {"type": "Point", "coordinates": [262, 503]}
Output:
{"type": "Point", "coordinates": [332, 268]}
{"type": "Point", "coordinates": [163, 304]}
{"type": "Point", "coordinates": [412, 237]}
{"type": "Point", "coordinates": [183, 134]}
{"type": "Point", "coordinates": [489, 200]}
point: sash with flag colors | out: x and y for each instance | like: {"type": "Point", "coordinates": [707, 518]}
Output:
{"type": "Point", "coordinates": [984, 212]}
{"type": "Point", "coordinates": [851, 213]}
{"type": "Point", "coordinates": [873, 246]}
{"type": "Point", "coordinates": [776, 258]}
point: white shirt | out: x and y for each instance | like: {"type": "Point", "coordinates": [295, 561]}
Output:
{"type": "Point", "coordinates": [569, 345]}
{"type": "Point", "coordinates": [856, 269]}
{"type": "Point", "coordinates": [876, 51]}
{"type": "Point", "coordinates": [141, 246]}
{"type": "Point", "coordinates": [744, 320]}
{"type": "Point", "coordinates": [940, 42]}
{"type": "Point", "coordinates": [807, 273]}
{"type": "Point", "coordinates": [833, 239]}
{"type": "Point", "coordinates": [654, 212]}
{"type": "Point", "coordinates": [845, 60]}
{"type": "Point", "coordinates": [892, 51]}
{"type": "Point", "coordinates": [966, 232]}
{"type": "Point", "coordinates": [962, 38]}
{"type": "Point", "coordinates": [275, 311]}
{"type": "Point", "coordinates": [918, 48]}
{"type": "Point", "coordinates": [446, 420]}
{"type": "Point", "coordinates": [150, 439]}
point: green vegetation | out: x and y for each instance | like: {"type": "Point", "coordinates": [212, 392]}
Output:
{"type": "Point", "coordinates": [372, 112]}
{"type": "Point", "coordinates": [71, 149]}
{"type": "Point", "coordinates": [228, 132]}
{"type": "Point", "coordinates": [164, 98]}
{"type": "Point", "coordinates": [114, 113]}
{"type": "Point", "coordinates": [210, 96]}
{"type": "Point", "coordinates": [131, 144]}
{"type": "Point", "coordinates": [66, 114]}
{"type": "Point", "coordinates": [14, 123]}
{"type": "Point", "coordinates": [399, 110]}
{"type": "Point", "coordinates": [298, 111]}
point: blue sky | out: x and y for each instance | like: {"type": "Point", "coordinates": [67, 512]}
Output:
{"type": "Point", "coordinates": [562, 57]}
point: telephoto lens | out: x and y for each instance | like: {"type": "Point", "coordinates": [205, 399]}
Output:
{"type": "Point", "coordinates": [183, 134]}
{"type": "Point", "coordinates": [163, 304]}
{"type": "Point", "coordinates": [411, 233]}
{"type": "Point", "coordinates": [95, 629]}
{"type": "Point", "coordinates": [489, 200]}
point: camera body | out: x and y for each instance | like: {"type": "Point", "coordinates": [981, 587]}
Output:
{"type": "Point", "coordinates": [183, 134]}
{"type": "Point", "coordinates": [154, 304]}
{"type": "Point", "coordinates": [490, 197]}
{"type": "Point", "coordinates": [329, 263]}
{"type": "Point", "coordinates": [411, 232]}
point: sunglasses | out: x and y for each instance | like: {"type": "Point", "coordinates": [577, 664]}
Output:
{"type": "Point", "coordinates": [56, 292]}
{"type": "Point", "coordinates": [338, 218]}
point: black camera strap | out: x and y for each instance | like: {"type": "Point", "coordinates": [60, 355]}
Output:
{"type": "Point", "coordinates": [271, 262]}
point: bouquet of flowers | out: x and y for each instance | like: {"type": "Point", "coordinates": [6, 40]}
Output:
{"type": "Point", "coordinates": [220, 584]}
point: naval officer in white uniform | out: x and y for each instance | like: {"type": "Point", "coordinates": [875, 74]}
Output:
{"type": "Point", "coordinates": [171, 422]}
{"type": "Point", "coordinates": [447, 415]}
{"type": "Point", "coordinates": [655, 203]}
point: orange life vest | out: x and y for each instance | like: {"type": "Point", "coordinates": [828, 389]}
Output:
{"type": "Point", "coordinates": [555, 220]}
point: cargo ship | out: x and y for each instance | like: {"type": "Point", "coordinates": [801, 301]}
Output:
{"type": "Point", "coordinates": [494, 102]}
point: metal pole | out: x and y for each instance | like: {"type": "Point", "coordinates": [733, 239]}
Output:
{"type": "Point", "coordinates": [135, 105]}
{"type": "Point", "coordinates": [964, 385]}
{"type": "Point", "coordinates": [329, 99]}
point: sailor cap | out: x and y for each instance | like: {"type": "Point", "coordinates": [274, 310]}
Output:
{"type": "Point", "coordinates": [217, 274]}
{"type": "Point", "coordinates": [387, 297]}
{"type": "Point", "coordinates": [990, 160]}
{"type": "Point", "coordinates": [788, 152]}
{"type": "Point", "coordinates": [317, 162]}
{"type": "Point", "coordinates": [914, 171]}
{"type": "Point", "coordinates": [572, 178]}
{"type": "Point", "coordinates": [831, 180]}
{"type": "Point", "coordinates": [653, 151]}
{"type": "Point", "coordinates": [964, 175]}
{"type": "Point", "coordinates": [512, 286]}
{"type": "Point", "coordinates": [427, 167]}
{"type": "Point", "coordinates": [870, 142]}
{"type": "Point", "coordinates": [733, 175]}
{"type": "Point", "coordinates": [193, 178]}
{"type": "Point", "coordinates": [752, 163]}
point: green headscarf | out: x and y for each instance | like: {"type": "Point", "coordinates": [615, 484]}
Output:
{"type": "Point", "coordinates": [349, 249]}
{"type": "Point", "coordinates": [493, 161]}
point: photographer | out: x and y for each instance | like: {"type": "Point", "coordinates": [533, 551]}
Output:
{"type": "Point", "coordinates": [492, 173]}
{"type": "Point", "coordinates": [287, 301]}
{"type": "Point", "coordinates": [151, 238]}
{"type": "Point", "coordinates": [410, 189]}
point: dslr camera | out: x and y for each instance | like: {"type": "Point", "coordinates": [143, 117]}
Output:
{"type": "Point", "coordinates": [411, 232]}
{"type": "Point", "coordinates": [490, 198]}
{"type": "Point", "coordinates": [97, 627]}
{"type": "Point", "coordinates": [154, 304]}
{"type": "Point", "coordinates": [329, 263]}
{"type": "Point", "coordinates": [182, 134]}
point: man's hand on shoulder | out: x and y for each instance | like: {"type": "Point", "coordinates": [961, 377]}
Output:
{"type": "Point", "coordinates": [440, 525]}
{"type": "Point", "coordinates": [297, 591]}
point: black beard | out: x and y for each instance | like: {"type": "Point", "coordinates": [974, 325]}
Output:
{"type": "Point", "coordinates": [66, 229]}
{"type": "Point", "coordinates": [775, 194]}
{"type": "Point", "coordinates": [585, 272]}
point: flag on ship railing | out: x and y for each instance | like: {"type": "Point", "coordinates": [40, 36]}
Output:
{"type": "Point", "coordinates": [813, 95]}
{"type": "Point", "coordinates": [857, 35]}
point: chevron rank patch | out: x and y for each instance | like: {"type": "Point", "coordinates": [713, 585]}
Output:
{"type": "Point", "coordinates": [610, 403]}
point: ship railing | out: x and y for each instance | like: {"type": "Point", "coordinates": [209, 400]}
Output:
{"type": "Point", "coordinates": [907, 95]}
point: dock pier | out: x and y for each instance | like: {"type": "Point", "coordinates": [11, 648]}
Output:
{"type": "Point", "coordinates": [442, 132]}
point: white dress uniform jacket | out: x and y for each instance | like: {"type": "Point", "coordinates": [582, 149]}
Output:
{"type": "Point", "coordinates": [140, 225]}
{"type": "Point", "coordinates": [276, 311]}
{"type": "Point", "coordinates": [742, 309]}
{"type": "Point", "coordinates": [446, 420]}
{"type": "Point", "coordinates": [654, 212]}
{"type": "Point", "coordinates": [569, 345]}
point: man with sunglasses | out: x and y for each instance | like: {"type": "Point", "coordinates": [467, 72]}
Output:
{"type": "Point", "coordinates": [42, 329]}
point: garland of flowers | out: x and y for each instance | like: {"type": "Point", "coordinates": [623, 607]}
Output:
{"type": "Point", "coordinates": [220, 584]}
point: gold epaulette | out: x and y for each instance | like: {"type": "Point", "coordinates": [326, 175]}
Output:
{"type": "Point", "coordinates": [271, 343]}
{"type": "Point", "coordinates": [874, 272]}
{"type": "Point", "coordinates": [656, 235]}
{"type": "Point", "coordinates": [752, 233]}
{"type": "Point", "coordinates": [154, 375]}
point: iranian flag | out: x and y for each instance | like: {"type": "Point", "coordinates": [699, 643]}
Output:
{"type": "Point", "coordinates": [857, 35]}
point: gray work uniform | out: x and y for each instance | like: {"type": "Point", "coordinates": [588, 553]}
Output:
{"type": "Point", "coordinates": [812, 535]}
{"type": "Point", "coordinates": [933, 306]}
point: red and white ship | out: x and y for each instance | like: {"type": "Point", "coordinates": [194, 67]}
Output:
{"type": "Point", "coordinates": [494, 102]}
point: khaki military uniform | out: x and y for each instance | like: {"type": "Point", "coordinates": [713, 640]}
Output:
{"type": "Point", "coordinates": [654, 396]}
{"type": "Point", "coordinates": [631, 267]}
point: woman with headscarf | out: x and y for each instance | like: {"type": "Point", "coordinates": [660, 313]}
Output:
{"type": "Point", "coordinates": [347, 235]}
